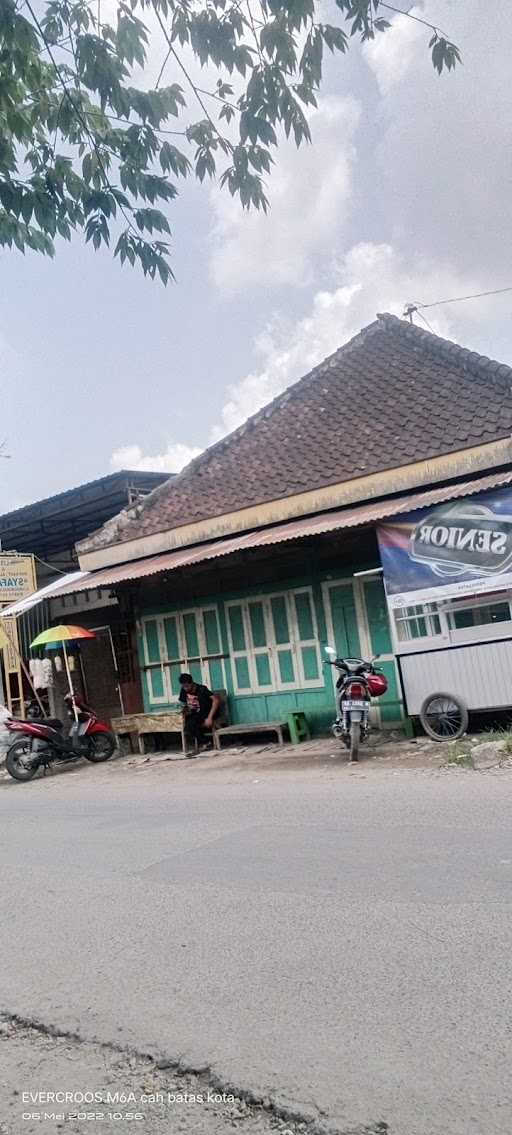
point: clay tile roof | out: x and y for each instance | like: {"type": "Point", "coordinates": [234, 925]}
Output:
{"type": "Point", "coordinates": [393, 395]}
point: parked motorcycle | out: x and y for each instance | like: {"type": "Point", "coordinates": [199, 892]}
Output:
{"type": "Point", "coordinates": [43, 740]}
{"type": "Point", "coordinates": [357, 683]}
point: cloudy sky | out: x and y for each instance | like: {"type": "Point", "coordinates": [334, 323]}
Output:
{"type": "Point", "coordinates": [405, 195]}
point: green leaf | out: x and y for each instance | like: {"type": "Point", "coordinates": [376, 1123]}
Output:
{"type": "Point", "coordinates": [86, 148]}
{"type": "Point", "coordinates": [173, 159]}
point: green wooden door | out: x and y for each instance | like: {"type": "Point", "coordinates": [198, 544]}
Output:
{"type": "Point", "coordinates": [344, 621]}
{"type": "Point", "coordinates": [390, 705]}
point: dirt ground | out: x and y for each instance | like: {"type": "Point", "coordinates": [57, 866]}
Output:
{"type": "Point", "coordinates": [112, 1090]}
{"type": "Point", "coordinates": [390, 750]}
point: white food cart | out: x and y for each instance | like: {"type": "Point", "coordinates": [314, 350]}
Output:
{"type": "Point", "coordinates": [448, 579]}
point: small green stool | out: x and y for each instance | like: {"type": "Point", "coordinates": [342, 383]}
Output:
{"type": "Point", "coordinates": [298, 725]}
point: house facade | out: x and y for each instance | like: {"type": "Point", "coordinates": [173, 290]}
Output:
{"type": "Point", "coordinates": [264, 549]}
{"type": "Point", "coordinates": [257, 627]}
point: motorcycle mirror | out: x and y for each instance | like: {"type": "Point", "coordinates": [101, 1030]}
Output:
{"type": "Point", "coordinates": [330, 651]}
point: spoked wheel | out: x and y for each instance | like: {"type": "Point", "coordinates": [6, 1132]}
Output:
{"type": "Point", "coordinates": [100, 747]}
{"type": "Point", "coordinates": [444, 717]}
{"type": "Point", "coordinates": [19, 761]}
{"type": "Point", "coordinates": [355, 737]}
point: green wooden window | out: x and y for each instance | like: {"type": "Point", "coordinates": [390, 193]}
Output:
{"type": "Point", "coordinates": [156, 685]}
{"type": "Point", "coordinates": [257, 621]}
{"type": "Point", "coordinates": [238, 637]}
{"type": "Point", "coordinates": [191, 635]}
{"type": "Point", "coordinates": [304, 612]}
{"type": "Point", "coordinates": [155, 675]}
{"type": "Point", "coordinates": [171, 637]}
{"type": "Point", "coordinates": [274, 642]}
{"type": "Point", "coordinates": [185, 640]}
{"type": "Point", "coordinates": [243, 679]}
{"type": "Point", "coordinates": [280, 618]}
{"type": "Point", "coordinates": [211, 631]}
{"type": "Point", "coordinates": [152, 641]}
{"type": "Point", "coordinates": [308, 656]}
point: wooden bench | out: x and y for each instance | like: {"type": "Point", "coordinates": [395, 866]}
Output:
{"type": "Point", "coordinates": [255, 727]}
{"type": "Point", "coordinates": [139, 724]}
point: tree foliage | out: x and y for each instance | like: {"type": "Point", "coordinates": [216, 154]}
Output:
{"type": "Point", "coordinates": [83, 146]}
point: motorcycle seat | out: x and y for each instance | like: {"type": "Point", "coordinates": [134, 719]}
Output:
{"type": "Point", "coordinates": [52, 722]}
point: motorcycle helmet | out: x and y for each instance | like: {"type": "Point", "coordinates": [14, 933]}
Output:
{"type": "Point", "coordinates": [377, 685]}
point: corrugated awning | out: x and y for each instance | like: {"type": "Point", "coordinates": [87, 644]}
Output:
{"type": "Point", "coordinates": [61, 586]}
{"type": "Point", "coordinates": [356, 517]}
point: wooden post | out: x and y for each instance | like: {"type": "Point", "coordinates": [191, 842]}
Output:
{"type": "Point", "coordinates": [10, 624]}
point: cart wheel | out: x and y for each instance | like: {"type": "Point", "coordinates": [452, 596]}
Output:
{"type": "Point", "coordinates": [444, 717]}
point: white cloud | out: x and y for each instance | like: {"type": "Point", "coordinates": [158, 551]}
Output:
{"type": "Point", "coordinates": [445, 141]}
{"type": "Point", "coordinates": [176, 456]}
{"type": "Point", "coordinates": [309, 191]}
{"type": "Point", "coordinates": [392, 54]}
{"type": "Point", "coordinates": [372, 278]}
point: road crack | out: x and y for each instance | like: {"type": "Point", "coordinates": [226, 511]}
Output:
{"type": "Point", "coordinates": [53, 1079]}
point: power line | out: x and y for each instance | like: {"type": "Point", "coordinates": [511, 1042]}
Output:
{"type": "Point", "coordinates": [411, 309]}
{"type": "Point", "coordinates": [417, 19]}
{"type": "Point", "coordinates": [460, 299]}
{"type": "Point", "coordinates": [425, 320]}
{"type": "Point", "coordinates": [46, 564]}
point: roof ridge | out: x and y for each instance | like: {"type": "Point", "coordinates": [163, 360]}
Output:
{"type": "Point", "coordinates": [472, 360]}
{"type": "Point", "coordinates": [280, 399]}
{"type": "Point", "coordinates": [385, 351]}
{"type": "Point", "coordinates": [385, 321]}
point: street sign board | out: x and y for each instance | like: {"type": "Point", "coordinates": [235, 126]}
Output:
{"type": "Point", "coordinates": [17, 577]}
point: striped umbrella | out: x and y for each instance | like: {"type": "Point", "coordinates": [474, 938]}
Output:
{"type": "Point", "coordinates": [63, 634]}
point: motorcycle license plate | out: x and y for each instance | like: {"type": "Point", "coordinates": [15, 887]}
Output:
{"type": "Point", "coordinates": [351, 703]}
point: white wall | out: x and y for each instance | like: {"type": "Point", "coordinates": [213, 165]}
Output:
{"type": "Point", "coordinates": [480, 674]}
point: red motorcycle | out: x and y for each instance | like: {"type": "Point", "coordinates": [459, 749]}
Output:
{"type": "Point", "coordinates": [357, 683]}
{"type": "Point", "coordinates": [43, 740]}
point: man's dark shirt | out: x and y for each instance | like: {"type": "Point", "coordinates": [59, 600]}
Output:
{"type": "Point", "coordinates": [197, 700]}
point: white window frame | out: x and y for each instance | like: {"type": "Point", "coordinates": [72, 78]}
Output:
{"type": "Point", "coordinates": [486, 630]}
{"type": "Point", "coordinates": [428, 612]}
{"type": "Point", "coordinates": [184, 660]}
{"type": "Point", "coordinates": [149, 667]}
{"type": "Point", "coordinates": [272, 649]}
{"type": "Point", "coordinates": [451, 635]}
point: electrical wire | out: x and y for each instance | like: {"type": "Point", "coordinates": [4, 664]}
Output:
{"type": "Point", "coordinates": [425, 320]}
{"type": "Point", "coordinates": [460, 299]}
{"type": "Point", "coordinates": [52, 566]}
{"type": "Point", "coordinates": [417, 308]}
{"type": "Point", "coordinates": [417, 19]}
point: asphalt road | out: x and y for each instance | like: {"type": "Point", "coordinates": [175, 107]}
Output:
{"type": "Point", "coordinates": [336, 940]}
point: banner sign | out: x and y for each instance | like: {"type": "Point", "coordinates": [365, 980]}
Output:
{"type": "Point", "coordinates": [17, 577]}
{"type": "Point", "coordinates": [462, 547]}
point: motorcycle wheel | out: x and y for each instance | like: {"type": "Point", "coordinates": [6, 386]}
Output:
{"type": "Point", "coordinates": [355, 737]}
{"type": "Point", "coordinates": [16, 761]}
{"type": "Point", "coordinates": [100, 748]}
{"type": "Point", "coordinates": [444, 717]}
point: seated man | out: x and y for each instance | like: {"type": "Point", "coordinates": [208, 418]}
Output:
{"type": "Point", "coordinates": [199, 708]}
